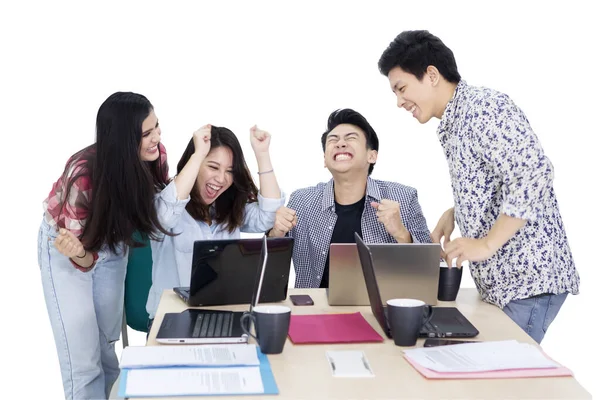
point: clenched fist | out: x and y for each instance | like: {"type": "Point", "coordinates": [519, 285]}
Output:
{"type": "Point", "coordinates": [285, 220]}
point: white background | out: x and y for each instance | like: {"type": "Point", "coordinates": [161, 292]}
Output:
{"type": "Point", "coordinates": [284, 66]}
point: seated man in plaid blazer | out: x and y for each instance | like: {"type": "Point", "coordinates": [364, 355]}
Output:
{"type": "Point", "coordinates": [381, 212]}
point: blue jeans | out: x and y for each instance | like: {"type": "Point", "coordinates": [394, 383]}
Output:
{"type": "Point", "coordinates": [535, 314]}
{"type": "Point", "coordinates": [85, 310]}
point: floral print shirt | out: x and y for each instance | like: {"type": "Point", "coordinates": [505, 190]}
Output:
{"type": "Point", "coordinates": [497, 166]}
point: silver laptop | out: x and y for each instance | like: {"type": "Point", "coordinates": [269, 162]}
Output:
{"type": "Point", "coordinates": [403, 270]}
{"type": "Point", "coordinates": [198, 326]}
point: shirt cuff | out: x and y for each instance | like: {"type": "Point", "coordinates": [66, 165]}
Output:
{"type": "Point", "coordinates": [270, 204]}
{"type": "Point", "coordinates": [169, 195]}
{"type": "Point", "coordinates": [84, 269]}
{"type": "Point", "coordinates": [528, 212]}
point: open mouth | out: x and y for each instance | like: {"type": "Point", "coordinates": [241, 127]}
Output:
{"type": "Point", "coordinates": [413, 110]}
{"type": "Point", "coordinates": [152, 149]}
{"type": "Point", "coordinates": [342, 157]}
{"type": "Point", "coordinates": [212, 190]}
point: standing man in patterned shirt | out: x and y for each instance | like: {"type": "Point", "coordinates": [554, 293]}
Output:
{"type": "Point", "coordinates": [381, 212]}
{"type": "Point", "coordinates": [504, 201]}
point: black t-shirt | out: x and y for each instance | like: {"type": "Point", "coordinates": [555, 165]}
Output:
{"type": "Point", "coordinates": [348, 222]}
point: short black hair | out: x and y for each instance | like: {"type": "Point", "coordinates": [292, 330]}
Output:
{"type": "Point", "coordinates": [349, 116]}
{"type": "Point", "coordinates": [414, 51]}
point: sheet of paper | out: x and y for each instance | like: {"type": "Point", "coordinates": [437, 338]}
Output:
{"type": "Point", "coordinates": [193, 381]}
{"type": "Point", "coordinates": [484, 356]}
{"type": "Point", "coordinates": [202, 355]}
{"type": "Point", "coordinates": [349, 364]}
{"type": "Point", "coordinates": [503, 374]}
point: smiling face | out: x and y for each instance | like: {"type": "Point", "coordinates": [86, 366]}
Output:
{"type": "Point", "coordinates": [346, 150]}
{"type": "Point", "coordinates": [150, 138]}
{"type": "Point", "coordinates": [215, 175]}
{"type": "Point", "coordinates": [418, 97]}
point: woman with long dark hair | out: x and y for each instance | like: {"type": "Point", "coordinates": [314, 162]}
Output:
{"type": "Point", "coordinates": [104, 195]}
{"type": "Point", "coordinates": [213, 196]}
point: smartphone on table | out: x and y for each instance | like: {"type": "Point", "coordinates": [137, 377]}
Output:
{"type": "Point", "coordinates": [301, 300]}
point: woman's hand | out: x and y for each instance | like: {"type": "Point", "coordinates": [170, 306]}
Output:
{"type": "Point", "coordinates": [68, 244]}
{"type": "Point", "coordinates": [202, 140]}
{"type": "Point", "coordinates": [260, 140]}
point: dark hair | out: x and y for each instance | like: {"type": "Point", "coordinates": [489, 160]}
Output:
{"type": "Point", "coordinates": [230, 205]}
{"type": "Point", "coordinates": [123, 185]}
{"type": "Point", "coordinates": [414, 51]}
{"type": "Point", "coordinates": [348, 116]}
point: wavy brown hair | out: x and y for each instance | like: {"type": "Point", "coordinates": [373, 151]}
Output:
{"type": "Point", "coordinates": [229, 206]}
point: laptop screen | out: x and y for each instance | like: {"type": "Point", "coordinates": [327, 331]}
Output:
{"type": "Point", "coordinates": [366, 261]}
{"type": "Point", "coordinates": [226, 271]}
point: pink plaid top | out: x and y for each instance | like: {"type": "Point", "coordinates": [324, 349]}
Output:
{"type": "Point", "coordinates": [73, 214]}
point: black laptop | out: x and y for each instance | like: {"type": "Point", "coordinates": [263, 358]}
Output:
{"type": "Point", "coordinates": [222, 271]}
{"type": "Point", "coordinates": [196, 326]}
{"type": "Point", "coordinates": [445, 321]}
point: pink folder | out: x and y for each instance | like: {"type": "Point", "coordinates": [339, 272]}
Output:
{"type": "Point", "coordinates": [509, 373]}
{"type": "Point", "coordinates": [331, 328]}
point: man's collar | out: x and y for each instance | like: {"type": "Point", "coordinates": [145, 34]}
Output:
{"type": "Point", "coordinates": [329, 197]}
{"type": "Point", "coordinates": [450, 111]}
{"type": "Point", "coordinates": [373, 190]}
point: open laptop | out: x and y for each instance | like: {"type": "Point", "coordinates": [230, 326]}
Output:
{"type": "Point", "coordinates": [407, 270]}
{"type": "Point", "coordinates": [445, 321]}
{"type": "Point", "coordinates": [196, 326]}
{"type": "Point", "coordinates": [222, 269]}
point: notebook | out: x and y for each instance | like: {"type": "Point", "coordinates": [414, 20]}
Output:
{"type": "Point", "coordinates": [445, 321]}
{"type": "Point", "coordinates": [211, 326]}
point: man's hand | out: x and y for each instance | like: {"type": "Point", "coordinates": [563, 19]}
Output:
{"type": "Point", "coordinates": [388, 213]}
{"type": "Point", "coordinates": [444, 229]}
{"type": "Point", "coordinates": [285, 220]}
{"type": "Point", "coordinates": [466, 249]}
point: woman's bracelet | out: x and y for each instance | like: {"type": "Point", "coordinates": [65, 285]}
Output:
{"type": "Point", "coordinates": [84, 254]}
{"type": "Point", "coordinates": [265, 172]}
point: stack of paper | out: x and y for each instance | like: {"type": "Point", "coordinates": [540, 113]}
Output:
{"type": "Point", "coordinates": [331, 328]}
{"type": "Point", "coordinates": [195, 370]}
{"type": "Point", "coordinates": [503, 359]}
{"type": "Point", "coordinates": [173, 356]}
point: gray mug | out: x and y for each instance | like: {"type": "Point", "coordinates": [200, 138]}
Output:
{"type": "Point", "coordinates": [271, 324]}
{"type": "Point", "coordinates": [406, 318]}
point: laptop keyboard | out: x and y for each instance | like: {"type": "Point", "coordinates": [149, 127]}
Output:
{"type": "Point", "coordinates": [213, 325]}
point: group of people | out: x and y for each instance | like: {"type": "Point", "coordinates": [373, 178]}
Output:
{"type": "Point", "coordinates": [504, 205]}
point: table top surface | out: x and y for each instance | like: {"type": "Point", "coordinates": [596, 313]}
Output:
{"type": "Point", "coordinates": [302, 371]}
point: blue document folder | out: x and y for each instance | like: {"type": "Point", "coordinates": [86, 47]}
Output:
{"type": "Point", "coordinates": [197, 380]}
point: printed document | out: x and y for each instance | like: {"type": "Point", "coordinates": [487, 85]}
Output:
{"type": "Point", "coordinates": [484, 356]}
{"type": "Point", "coordinates": [193, 381]}
{"type": "Point", "coordinates": [201, 355]}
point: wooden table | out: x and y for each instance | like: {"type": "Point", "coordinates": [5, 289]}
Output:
{"type": "Point", "coordinates": [302, 372]}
